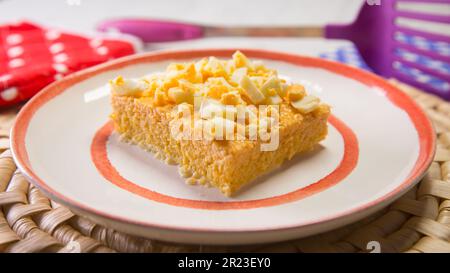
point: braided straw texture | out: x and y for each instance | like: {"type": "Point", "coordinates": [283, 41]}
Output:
{"type": "Point", "coordinates": [417, 222]}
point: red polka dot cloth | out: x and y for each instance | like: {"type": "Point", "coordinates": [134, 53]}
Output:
{"type": "Point", "coordinates": [32, 56]}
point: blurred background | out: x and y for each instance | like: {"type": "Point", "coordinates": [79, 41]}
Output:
{"type": "Point", "coordinates": [82, 15]}
{"type": "Point", "coordinates": [404, 39]}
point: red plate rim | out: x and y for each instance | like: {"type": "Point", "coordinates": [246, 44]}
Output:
{"type": "Point", "coordinates": [427, 136]}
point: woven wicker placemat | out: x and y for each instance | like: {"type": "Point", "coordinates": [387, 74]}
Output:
{"type": "Point", "coordinates": [417, 222]}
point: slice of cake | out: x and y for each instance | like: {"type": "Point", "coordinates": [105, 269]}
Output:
{"type": "Point", "coordinates": [224, 122]}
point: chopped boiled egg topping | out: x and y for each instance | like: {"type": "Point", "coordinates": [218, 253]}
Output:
{"type": "Point", "coordinates": [238, 81]}
{"type": "Point", "coordinates": [219, 85]}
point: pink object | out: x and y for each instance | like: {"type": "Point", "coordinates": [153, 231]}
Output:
{"type": "Point", "coordinates": [373, 32]}
{"type": "Point", "coordinates": [31, 57]}
{"type": "Point", "coordinates": [154, 30]}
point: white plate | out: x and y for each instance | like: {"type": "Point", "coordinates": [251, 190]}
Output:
{"type": "Point", "coordinates": [379, 145]}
